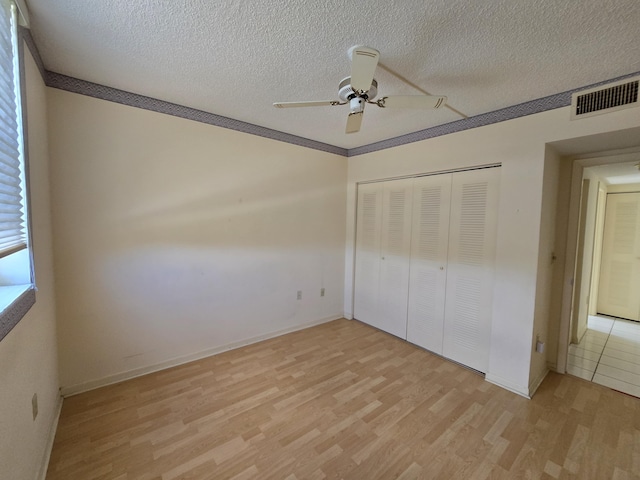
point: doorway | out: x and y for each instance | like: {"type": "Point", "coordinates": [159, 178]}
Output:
{"type": "Point", "coordinates": [605, 333]}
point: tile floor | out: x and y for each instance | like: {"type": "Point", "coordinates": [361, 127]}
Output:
{"type": "Point", "coordinates": [608, 354]}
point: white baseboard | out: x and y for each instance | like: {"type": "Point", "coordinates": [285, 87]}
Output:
{"type": "Point", "coordinates": [536, 383]}
{"type": "Point", "coordinates": [137, 372]}
{"type": "Point", "coordinates": [507, 385]}
{"type": "Point", "coordinates": [50, 439]}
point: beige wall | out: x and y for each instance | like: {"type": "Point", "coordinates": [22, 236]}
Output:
{"type": "Point", "coordinates": [519, 145]}
{"type": "Point", "coordinates": [561, 167]}
{"type": "Point", "coordinates": [28, 358]}
{"type": "Point", "coordinates": [627, 188]}
{"type": "Point", "coordinates": [175, 239]}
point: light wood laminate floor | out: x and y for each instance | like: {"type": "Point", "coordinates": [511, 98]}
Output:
{"type": "Point", "coordinates": [342, 400]}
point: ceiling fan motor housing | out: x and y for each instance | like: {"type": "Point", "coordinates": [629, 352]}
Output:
{"type": "Point", "coordinates": [346, 93]}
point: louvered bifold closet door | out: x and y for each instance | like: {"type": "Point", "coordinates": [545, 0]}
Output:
{"type": "Point", "coordinates": [429, 247]}
{"type": "Point", "coordinates": [472, 239]}
{"type": "Point", "coordinates": [367, 269]}
{"type": "Point", "coordinates": [394, 266]}
{"type": "Point", "coordinates": [619, 289]}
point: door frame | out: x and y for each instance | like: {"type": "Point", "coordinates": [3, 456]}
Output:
{"type": "Point", "coordinates": [579, 163]}
{"type": "Point", "coordinates": [601, 205]}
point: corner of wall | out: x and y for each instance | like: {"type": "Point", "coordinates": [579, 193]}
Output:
{"type": "Point", "coordinates": [522, 390]}
{"type": "Point", "coordinates": [28, 355]}
{"type": "Point", "coordinates": [44, 464]}
{"type": "Point", "coordinates": [537, 381]}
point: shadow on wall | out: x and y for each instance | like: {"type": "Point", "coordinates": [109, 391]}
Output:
{"type": "Point", "coordinates": [165, 261]}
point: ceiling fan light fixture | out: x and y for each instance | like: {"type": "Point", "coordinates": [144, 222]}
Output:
{"type": "Point", "coordinates": [346, 92]}
{"type": "Point", "coordinates": [356, 105]}
{"type": "Point", "coordinates": [361, 88]}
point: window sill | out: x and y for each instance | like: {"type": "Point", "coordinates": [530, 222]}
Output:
{"type": "Point", "coordinates": [15, 302]}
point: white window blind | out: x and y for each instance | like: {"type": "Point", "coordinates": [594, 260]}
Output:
{"type": "Point", "coordinates": [12, 214]}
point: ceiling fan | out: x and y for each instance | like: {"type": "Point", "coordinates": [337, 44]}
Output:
{"type": "Point", "coordinates": [361, 88]}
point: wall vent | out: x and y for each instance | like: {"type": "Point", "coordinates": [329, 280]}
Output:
{"type": "Point", "coordinates": [605, 98]}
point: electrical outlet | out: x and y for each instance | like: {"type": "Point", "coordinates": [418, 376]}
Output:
{"type": "Point", "coordinates": [322, 292]}
{"type": "Point", "coordinates": [34, 405]}
{"type": "Point", "coordinates": [299, 294]}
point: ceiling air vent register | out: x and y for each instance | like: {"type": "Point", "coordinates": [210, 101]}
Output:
{"type": "Point", "coordinates": [605, 99]}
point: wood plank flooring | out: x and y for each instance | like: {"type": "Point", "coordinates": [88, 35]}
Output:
{"type": "Point", "coordinates": [342, 400]}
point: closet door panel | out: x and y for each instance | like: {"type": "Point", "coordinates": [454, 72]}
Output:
{"type": "Point", "coordinates": [619, 292]}
{"type": "Point", "coordinates": [367, 268]}
{"type": "Point", "coordinates": [395, 248]}
{"type": "Point", "coordinates": [472, 239]}
{"type": "Point", "coordinates": [428, 274]}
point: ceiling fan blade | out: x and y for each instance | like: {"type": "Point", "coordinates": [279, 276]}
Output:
{"type": "Point", "coordinates": [364, 61]}
{"type": "Point", "coordinates": [412, 101]}
{"type": "Point", "coordinates": [354, 120]}
{"type": "Point", "coordinates": [305, 104]}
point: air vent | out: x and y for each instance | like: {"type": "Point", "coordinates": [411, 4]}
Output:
{"type": "Point", "coordinates": [605, 99]}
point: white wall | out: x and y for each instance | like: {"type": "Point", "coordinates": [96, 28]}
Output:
{"type": "Point", "coordinates": [519, 145]}
{"type": "Point", "coordinates": [548, 265]}
{"type": "Point", "coordinates": [28, 357]}
{"type": "Point", "coordinates": [174, 239]}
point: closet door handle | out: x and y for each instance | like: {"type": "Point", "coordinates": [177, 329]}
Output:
{"type": "Point", "coordinates": [441, 268]}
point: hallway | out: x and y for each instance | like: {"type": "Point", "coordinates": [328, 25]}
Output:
{"type": "Point", "coordinates": [608, 354]}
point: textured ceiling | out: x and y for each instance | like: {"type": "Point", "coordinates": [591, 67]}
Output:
{"type": "Point", "coordinates": [235, 58]}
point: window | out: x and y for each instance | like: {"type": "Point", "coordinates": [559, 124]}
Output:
{"type": "Point", "coordinates": [16, 279]}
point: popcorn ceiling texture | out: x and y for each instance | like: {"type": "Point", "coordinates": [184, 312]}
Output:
{"type": "Point", "coordinates": [234, 59]}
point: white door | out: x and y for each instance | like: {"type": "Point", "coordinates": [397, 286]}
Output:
{"type": "Point", "coordinates": [397, 201]}
{"type": "Point", "coordinates": [429, 246]}
{"type": "Point", "coordinates": [367, 268]}
{"type": "Point", "coordinates": [472, 239]}
{"type": "Point", "coordinates": [619, 289]}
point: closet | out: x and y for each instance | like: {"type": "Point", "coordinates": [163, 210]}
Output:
{"type": "Point", "coordinates": [425, 250]}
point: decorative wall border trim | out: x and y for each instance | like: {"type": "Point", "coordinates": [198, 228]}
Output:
{"type": "Point", "coordinates": [83, 87]}
{"type": "Point", "coordinates": [25, 34]}
{"type": "Point", "coordinates": [509, 113]}
{"type": "Point", "coordinates": [70, 84]}
{"type": "Point", "coordinates": [14, 312]}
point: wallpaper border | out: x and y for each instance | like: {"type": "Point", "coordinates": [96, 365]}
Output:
{"type": "Point", "coordinates": [25, 34]}
{"type": "Point", "coordinates": [75, 85]}
{"type": "Point", "coordinates": [83, 87]}
{"type": "Point", "coordinates": [538, 105]}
